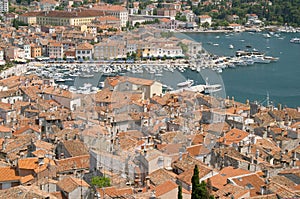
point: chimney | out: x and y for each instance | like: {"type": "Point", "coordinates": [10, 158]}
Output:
{"type": "Point", "coordinates": [257, 154]}
{"type": "Point", "coordinates": [279, 106]}
{"type": "Point", "coordinates": [153, 196]}
{"type": "Point", "coordinates": [147, 182]}
{"type": "Point", "coordinates": [22, 155]}
{"type": "Point", "coordinates": [247, 102]}
{"type": "Point", "coordinates": [4, 143]}
{"type": "Point", "coordinates": [41, 160]}
{"type": "Point", "coordinates": [262, 190]}
{"type": "Point", "coordinates": [189, 141]}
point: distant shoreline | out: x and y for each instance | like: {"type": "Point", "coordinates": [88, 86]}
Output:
{"type": "Point", "coordinates": [204, 31]}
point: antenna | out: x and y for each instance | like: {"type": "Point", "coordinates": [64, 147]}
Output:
{"type": "Point", "coordinates": [268, 99]}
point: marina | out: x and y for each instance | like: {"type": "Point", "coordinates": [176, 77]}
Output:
{"type": "Point", "coordinates": [230, 63]}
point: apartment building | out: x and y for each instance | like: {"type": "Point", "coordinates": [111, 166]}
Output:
{"type": "Point", "coordinates": [3, 6]}
{"type": "Point", "coordinates": [110, 50]}
{"type": "Point", "coordinates": [65, 18]}
{"type": "Point", "coordinates": [55, 50]}
{"type": "Point", "coordinates": [114, 10]}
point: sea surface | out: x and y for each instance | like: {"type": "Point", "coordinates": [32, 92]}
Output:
{"type": "Point", "coordinates": [280, 80]}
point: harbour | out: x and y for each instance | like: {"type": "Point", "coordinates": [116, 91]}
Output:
{"type": "Point", "coordinates": [241, 63]}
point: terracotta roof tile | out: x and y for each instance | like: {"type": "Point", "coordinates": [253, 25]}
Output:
{"type": "Point", "coordinates": [69, 164]}
{"type": "Point", "coordinates": [234, 136]}
{"type": "Point", "coordinates": [68, 184]}
{"type": "Point", "coordinates": [115, 192]}
{"type": "Point", "coordinates": [84, 46]}
{"type": "Point", "coordinates": [249, 181]}
{"type": "Point", "coordinates": [160, 176]}
{"type": "Point", "coordinates": [165, 188]}
{"type": "Point", "coordinates": [75, 147]}
{"type": "Point", "coordinates": [8, 174]}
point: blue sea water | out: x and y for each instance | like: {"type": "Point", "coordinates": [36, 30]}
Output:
{"type": "Point", "coordinates": [281, 79]}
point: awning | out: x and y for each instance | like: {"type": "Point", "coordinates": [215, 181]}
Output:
{"type": "Point", "coordinates": [20, 60]}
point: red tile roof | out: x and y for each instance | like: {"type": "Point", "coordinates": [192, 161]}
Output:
{"type": "Point", "coordinates": [165, 188]}
{"type": "Point", "coordinates": [8, 174]}
{"type": "Point", "coordinates": [69, 184]}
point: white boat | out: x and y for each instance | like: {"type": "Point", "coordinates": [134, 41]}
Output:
{"type": "Point", "coordinates": [60, 80]}
{"type": "Point", "coordinates": [260, 59]}
{"type": "Point", "coordinates": [231, 46]}
{"type": "Point", "coordinates": [187, 83]}
{"type": "Point", "coordinates": [271, 58]}
{"type": "Point", "coordinates": [295, 40]}
{"type": "Point", "coordinates": [86, 75]}
{"type": "Point", "coordinates": [69, 79]}
{"type": "Point", "coordinates": [266, 35]}
{"type": "Point", "coordinates": [208, 89]}
{"type": "Point", "coordinates": [219, 70]}
{"type": "Point", "coordinates": [216, 44]}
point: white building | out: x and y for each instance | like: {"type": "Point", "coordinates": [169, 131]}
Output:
{"type": "Point", "coordinates": [84, 51]}
{"type": "Point", "coordinates": [27, 51]}
{"type": "Point", "coordinates": [3, 6]}
{"type": "Point", "coordinates": [115, 10]}
{"type": "Point", "coordinates": [55, 50]}
{"type": "Point", "coordinates": [47, 5]}
{"type": "Point", "coordinates": [205, 18]}
{"type": "Point", "coordinates": [122, 83]}
{"type": "Point", "coordinates": [2, 62]}
{"type": "Point", "coordinates": [169, 51]}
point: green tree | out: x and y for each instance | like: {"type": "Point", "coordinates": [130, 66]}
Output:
{"type": "Point", "coordinates": [179, 195]}
{"type": "Point", "coordinates": [184, 47]}
{"type": "Point", "coordinates": [200, 190]}
{"type": "Point", "coordinates": [205, 25]}
{"type": "Point", "coordinates": [100, 181]}
{"type": "Point", "coordinates": [195, 183]}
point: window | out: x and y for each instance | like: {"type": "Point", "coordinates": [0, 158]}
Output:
{"type": "Point", "coordinates": [249, 186]}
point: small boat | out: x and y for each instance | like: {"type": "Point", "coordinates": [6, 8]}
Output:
{"type": "Point", "coordinates": [86, 75]}
{"type": "Point", "coordinates": [271, 58]}
{"type": "Point", "coordinates": [231, 46]}
{"type": "Point", "coordinates": [208, 89]}
{"type": "Point", "coordinates": [187, 83]}
{"type": "Point", "coordinates": [260, 59]}
{"type": "Point", "coordinates": [295, 40]}
{"type": "Point", "coordinates": [69, 79]}
{"type": "Point", "coordinates": [167, 88]}
{"type": "Point", "coordinates": [266, 35]}
{"type": "Point", "coordinates": [216, 44]}
{"type": "Point", "coordinates": [60, 80]}
{"type": "Point", "coordinates": [219, 70]}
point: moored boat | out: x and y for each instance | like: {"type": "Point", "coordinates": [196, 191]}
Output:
{"type": "Point", "coordinates": [187, 83]}
{"type": "Point", "coordinates": [295, 40]}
